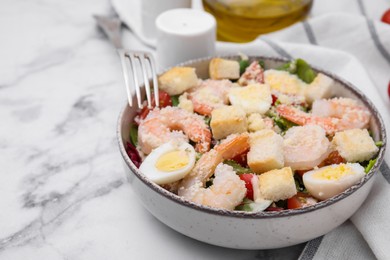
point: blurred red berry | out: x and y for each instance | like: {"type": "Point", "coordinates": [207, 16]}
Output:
{"type": "Point", "coordinates": [388, 89]}
{"type": "Point", "coordinates": [386, 17]}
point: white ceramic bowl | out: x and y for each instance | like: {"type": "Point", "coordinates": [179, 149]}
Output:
{"type": "Point", "coordinates": [243, 230]}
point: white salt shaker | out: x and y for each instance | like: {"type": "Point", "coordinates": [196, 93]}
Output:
{"type": "Point", "coordinates": [152, 8]}
{"type": "Point", "coordinates": [184, 34]}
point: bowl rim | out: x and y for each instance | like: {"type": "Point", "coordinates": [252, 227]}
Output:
{"type": "Point", "coordinates": [264, 214]}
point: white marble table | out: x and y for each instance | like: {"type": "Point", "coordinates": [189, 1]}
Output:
{"type": "Point", "coordinates": [63, 194]}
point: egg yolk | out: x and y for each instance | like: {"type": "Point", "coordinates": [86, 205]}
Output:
{"type": "Point", "coordinates": [333, 173]}
{"type": "Point", "coordinates": [172, 161]}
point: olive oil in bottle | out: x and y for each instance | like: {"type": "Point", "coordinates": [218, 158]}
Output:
{"type": "Point", "coordinates": [244, 20]}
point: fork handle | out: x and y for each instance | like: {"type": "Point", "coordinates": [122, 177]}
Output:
{"type": "Point", "coordinates": [117, 41]}
{"type": "Point", "coordinates": [112, 28]}
{"type": "Point", "coordinates": [116, 38]}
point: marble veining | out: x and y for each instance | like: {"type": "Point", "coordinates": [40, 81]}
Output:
{"type": "Point", "coordinates": [63, 192]}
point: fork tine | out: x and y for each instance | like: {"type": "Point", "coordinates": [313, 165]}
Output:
{"type": "Point", "coordinates": [122, 56]}
{"type": "Point", "coordinates": [149, 57]}
{"type": "Point", "coordinates": [132, 62]}
{"type": "Point", "coordinates": [146, 78]}
{"type": "Point", "coordinates": [135, 77]}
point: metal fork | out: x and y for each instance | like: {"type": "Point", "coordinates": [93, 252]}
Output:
{"type": "Point", "coordinates": [145, 61]}
{"type": "Point", "coordinates": [133, 63]}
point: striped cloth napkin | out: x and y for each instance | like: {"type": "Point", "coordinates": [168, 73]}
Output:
{"type": "Point", "coordinates": [347, 38]}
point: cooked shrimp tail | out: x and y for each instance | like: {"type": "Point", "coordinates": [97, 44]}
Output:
{"type": "Point", "coordinates": [161, 126]}
{"type": "Point", "coordinates": [233, 146]}
{"type": "Point", "coordinates": [299, 117]}
{"type": "Point", "coordinates": [227, 191]}
{"type": "Point", "coordinates": [209, 95]}
{"type": "Point", "coordinates": [194, 182]}
{"type": "Point", "coordinates": [333, 115]}
{"type": "Point", "coordinates": [351, 114]}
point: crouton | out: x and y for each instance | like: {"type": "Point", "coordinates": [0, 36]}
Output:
{"type": "Point", "coordinates": [266, 151]}
{"type": "Point", "coordinates": [224, 69]}
{"type": "Point", "coordinates": [288, 99]}
{"type": "Point", "coordinates": [277, 184]}
{"type": "Point", "coordinates": [177, 80]}
{"type": "Point", "coordinates": [320, 88]}
{"type": "Point", "coordinates": [255, 122]}
{"type": "Point", "coordinates": [355, 145]}
{"type": "Point", "coordinates": [254, 98]}
{"type": "Point", "coordinates": [227, 120]}
{"type": "Point", "coordinates": [284, 82]}
{"type": "Point", "coordinates": [185, 103]}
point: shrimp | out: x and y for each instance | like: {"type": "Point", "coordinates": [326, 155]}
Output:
{"type": "Point", "coordinates": [305, 147]}
{"type": "Point", "coordinates": [192, 186]}
{"type": "Point", "coordinates": [227, 191]}
{"type": "Point", "coordinates": [210, 94]}
{"type": "Point", "coordinates": [333, 115]}
{"type": "Point", "coordinates": [348, 110]}
{"type": "Point", "coordinates": [254, 73]}
{"type": "Point", "coordinates": [160, 126]}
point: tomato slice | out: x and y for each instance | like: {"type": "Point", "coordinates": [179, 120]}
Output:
{"type": "Point", "coordinates": [164, 101]}
{"type": "Point", "coordinates": [386, 17]}
{"type": "Point", "coordinates": [247, 178]}
{"type": "Point", "coordinates": [143, 113]}
{"type": "Point", "coordinates": [333, 158]}
{"type": "Point", "coordinates": [300, 200]}
{"type": "Point", "coordinates": [241, 158]}
{"type": "Point", "coordinates": [274, 98]}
